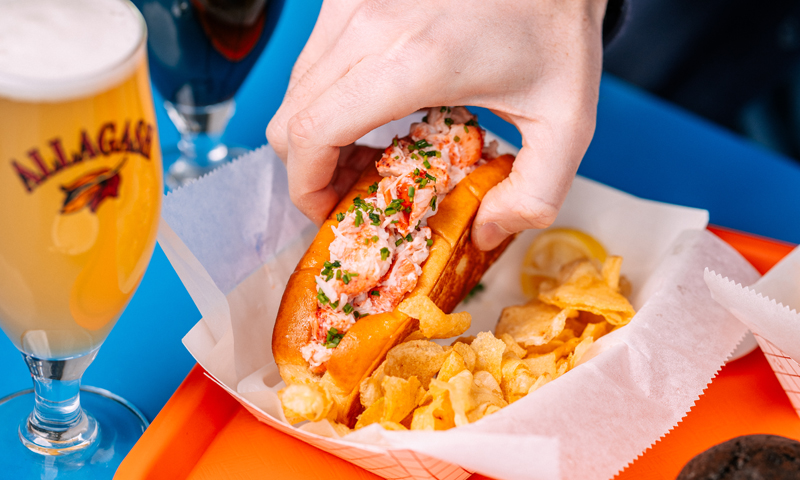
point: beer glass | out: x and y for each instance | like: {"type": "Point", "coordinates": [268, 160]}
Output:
{"type": "Point", "coordinates": [80, 193]}
{"type": "Point", "coordinates": [200, 53]}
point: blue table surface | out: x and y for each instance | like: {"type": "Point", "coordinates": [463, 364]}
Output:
{"type": "Point", "coordinates": [642, 145]}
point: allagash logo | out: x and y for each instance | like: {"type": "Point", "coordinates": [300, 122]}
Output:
{"type": "Point", "coordinates": [93, 187]}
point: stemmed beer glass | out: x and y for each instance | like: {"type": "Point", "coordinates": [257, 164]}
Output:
{"type": "Point", "coordinates": [200, 53]}
{"type": "Point", "coordinates": [80, 194]}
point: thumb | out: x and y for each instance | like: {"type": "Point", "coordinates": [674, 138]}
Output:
{"type": "Point", "coordinates": [529, 198]}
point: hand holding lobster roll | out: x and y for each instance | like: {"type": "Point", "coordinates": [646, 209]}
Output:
{"type": "Point", "coordinates": [403, 231]}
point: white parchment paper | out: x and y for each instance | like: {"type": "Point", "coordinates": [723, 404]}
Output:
{"type": "Point", "coordinates": [769, 306]}
{"type": "Point", "coordinates": [234, 238]}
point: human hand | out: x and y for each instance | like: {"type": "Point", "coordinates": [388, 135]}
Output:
{"type": "Point", "coordinates": [370, 62]}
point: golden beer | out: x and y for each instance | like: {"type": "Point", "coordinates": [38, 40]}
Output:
{"type": "Point", "coordinates": [80, 192]}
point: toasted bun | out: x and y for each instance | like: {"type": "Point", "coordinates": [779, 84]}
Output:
{"type": "Point", "coordinates": [452, 269]}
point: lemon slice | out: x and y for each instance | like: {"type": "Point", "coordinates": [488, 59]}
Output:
{"type": "Point", "coordinates": [553, 249]}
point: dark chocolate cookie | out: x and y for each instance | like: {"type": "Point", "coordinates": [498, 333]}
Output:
{"type": "Point", "coordinates": [750, 457]}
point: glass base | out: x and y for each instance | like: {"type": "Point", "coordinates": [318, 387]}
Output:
{"type": "Point", "coordinates": [184, 170]}
{"type": "Point", "coordinates": [119, 426]}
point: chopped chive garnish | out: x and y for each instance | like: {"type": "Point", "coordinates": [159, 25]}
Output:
{"type": "Point", "coordinates": [373, 188]}
{"type": "Point", "coordinates": [390, 211]}
{"type": "Point", "coordinates": [335, 305]}
{"type": "Point", "coordinates": [394, 141]}
{"type": "Point", "coordinates": [411, 191]}
{"type": "Point", "coordinates": [423, 182]}
{"type": "Point", "coordinates": [351, 208]}
{"type": "Point", "coordinates": [394, 222]}
{"type": "Point", "coordinates": [443, 109]}
{"type": "Point", "coordinates": [338, 274]}
{"type": "Point", "coordinates": [384, 253]}
{"type": "Point", "coordinates": [448, 121]}
{"type": "Point", "coordinates": [414, 156]}
{"type": "Point", "coordinates": [457, 138]}
{"type": "Point", "coordinates": [427, 164]}
{"type": "Point", "coordinates": [438, 154]}
{"type": "Point", "coordinates": [466, 129]}
{"type": "Point", "coordinates": [323, 299]}
{"type": "Point", "coordinates": [375, 293]}
{"type": "Point", "coordinates": [472, 123]}
{"type": "Point", "coordinates": [399, 241]}
{"type": "Point", "coordinates": [374, 239]}
{"type": "Point", "coordinates": [340, 216]}
{"type": "Point", "coordinates": [376, 219]}
{"type": "Point", "coordinates": [336, 264]}
{"type": "Point", "coordinates": [347, 308]}
{"type": "Point", "coordinates": [359, 218]}
{"type": "Point", "coordinates": [429, 242]}
{"type": "Point", "coordinates": [333, 338]}
{"type": "Point", "coordinates": [366, 241]}
{"type": "Point", "coordinates": [433, 204]}
{"type": "Point", "coordinates": [430, 177]}
{"type": "Point", "coordinates": [422, 144]}
{"type": "Point", "coordinates": [408, 209]}
{"type": "Point", "coordinates": [396, 157]}
{"type": "Point", "coordinates": [356, 315]}
{"type": "Point", "coordinates": [416, 171]}
{"type": "Point", "coordinates": [408, 238]}
{"type": "Point", "coordinates": [345, 278]}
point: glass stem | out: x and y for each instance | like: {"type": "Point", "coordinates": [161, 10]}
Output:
{"type": "Point", "coordinates": [201, 130]}
{"type": "Point", "coordinates": [57, 423]}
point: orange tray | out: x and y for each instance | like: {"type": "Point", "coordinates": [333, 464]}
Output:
{"type": "Point", "coordinates": [203, 433]}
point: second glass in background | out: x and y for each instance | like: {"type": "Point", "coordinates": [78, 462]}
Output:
{"type": "Point", "coordinates": [200, 53]}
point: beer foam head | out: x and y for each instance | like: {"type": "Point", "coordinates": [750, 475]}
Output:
{"type": "Point", "coordinates": [54, 50]}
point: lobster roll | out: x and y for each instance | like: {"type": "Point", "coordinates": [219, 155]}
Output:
{"type": "Point", "coordinates": [402, 231]}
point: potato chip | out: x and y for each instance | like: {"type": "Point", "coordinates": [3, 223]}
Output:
{"type": "Point", "coordinates": [437, 415]}
{"type": "Point", "coordinates": [540, 382]}
{"type": "Point", "coordinates": [370, 389]}
{"type": "Point", "coordinates": [517, 377]}
{"type": "Point", "coordinates": [534, 323]}
{"type": "Point", "coordinates": [483, 410]}
{"type": "Point", "coordinates": [567, 348]}
{"type": "Point", "coordinates": [512, 345]}
{"type": "Point", "coordinates": [393, 426]}
{"type": "Point", "coordinates": [467, 353]}
{"type": "Point", "coordinates": [542, 364]}
{"type": "Point", "coordinates": [585, 289]}
{"type": "Point", "coordinates": [460, 394]}
{"type": "Point", "coordinates": [595, 330]}
{"type": "Point", "coordinates": [415, 335]}
{"type": "Point", "coordinates": [418, 358]}
{"type": "Point", "coordinates": [489, 351]}
{"type": "Point", "coordinates": [400, 397]}
{"type": "Point", "coordinates": [433, 322]}
{"type": "Point", "coordinates": [453, 364]}
{"type": "Point", "coordinates": [486, 381]}
{"type": "Point", "coordinates": [610, 271]}
{"type": "Point", "coordinates": [580, 351]}
{"type": "Point", "coordinates": [465, 340]}
{"type": "Point", "coordinates": [562, 367]}
{"type": "Point", "coordinates": [542, 349]}
{"type": "Point", "coordinates": [305, 402]}
{"type": "Point", "coordinates": [371, 415]}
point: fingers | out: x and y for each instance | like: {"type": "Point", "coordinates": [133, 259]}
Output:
{"type": "Point", "coordinates": [533, 193]}
{"type": "Point", "coordinates": [332, 20]}
{"type": "Point", "coordinates": [354, 105]}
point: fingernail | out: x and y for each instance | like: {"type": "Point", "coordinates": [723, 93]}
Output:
{"type": "Point", "coordinates": [489, 235]}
